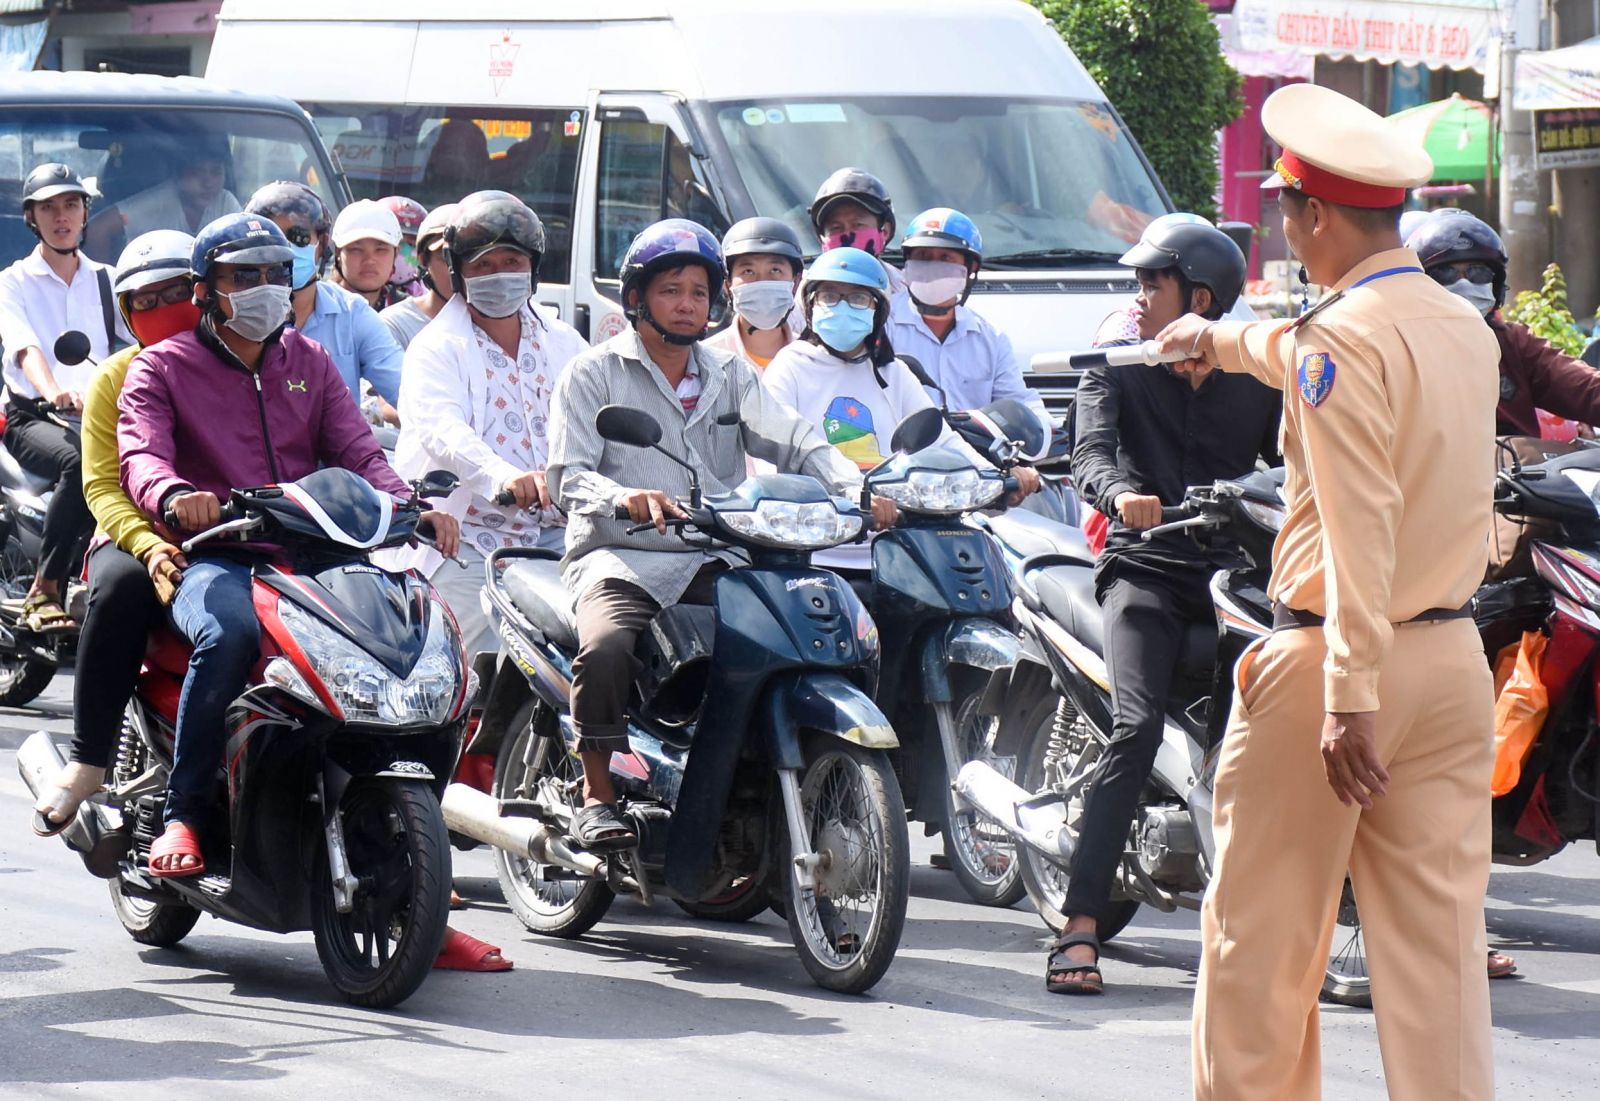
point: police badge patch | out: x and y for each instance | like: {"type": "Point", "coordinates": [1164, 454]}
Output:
{"type": "Point", "coordinates": [1316, 378]}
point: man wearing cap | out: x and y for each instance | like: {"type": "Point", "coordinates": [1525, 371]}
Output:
{"type": "Point", "coordinates": [1390, 386]}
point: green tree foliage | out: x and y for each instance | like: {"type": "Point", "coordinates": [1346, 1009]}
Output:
{"type": "Point", "coordinates": [1160, 62]}
{"type": "Point", "coordinates": [1546, 314]}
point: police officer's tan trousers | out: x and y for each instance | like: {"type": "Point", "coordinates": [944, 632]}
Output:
{"type": "Point", "coordinates": [1419, 862]}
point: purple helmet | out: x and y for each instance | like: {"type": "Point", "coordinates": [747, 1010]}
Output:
{"type": "Point", "coordinates": [1451, 235]}
{"type": "Point", "coordinates": [665, 246]}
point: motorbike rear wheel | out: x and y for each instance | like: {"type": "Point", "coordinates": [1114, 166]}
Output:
{"type": "Point", "coordinates": [380, 952]}
{"type": "Point", "coordinates": [1346, 982]}
{"type": "Point", "coordinates": [21, 678]}
{"type": "Point", "coordinates": [1067, 768]}
{"type": "Point", "coordinates": [158, 924]}
{"type": "Point", "coordinates": [847, 929]}
{"type": "Point", "coordinates": [746, 899]}
{"type": "Point", "coordinates": [545, 899]}
{"type": "Point", "coordinates": [982, 856]}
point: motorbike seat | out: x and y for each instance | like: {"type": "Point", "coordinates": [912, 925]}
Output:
{"type": "Point", "coordinates": [1067, 593]}
{"type": "Point", "coordinates": [535, 587]}
{"type": "Point", "coordinates": [1028, 534]}
{"type": "Point", "coordinates": [13, 474]}
{"type": "Point", "coordinates": [167, 651]}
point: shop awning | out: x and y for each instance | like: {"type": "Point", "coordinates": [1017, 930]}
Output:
{"type": "Point", "coordinates": [1553, 80]}
{"type": "Point", "coordinates": [1279, 63]}
{"type": "Point", "coordinates": [1441, 34]}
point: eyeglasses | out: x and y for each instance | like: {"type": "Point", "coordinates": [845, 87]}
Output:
{"type": "Point", "coordinates": [299, 236]}
{"type": "Point", "coordinates": [140, 301]}
{"type": "Point", "coordinates": [1445, 274]}
{"type": "Point", "coordinates": [861, 300]}
{"type": "Point", "coordinates": [244, 278]}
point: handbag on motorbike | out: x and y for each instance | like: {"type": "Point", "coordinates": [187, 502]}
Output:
{"type": "Point", "coordinates": [1519, 713]}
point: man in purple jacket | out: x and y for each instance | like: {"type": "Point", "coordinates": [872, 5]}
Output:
{"type": "Point", "coordinates": [240, 401]}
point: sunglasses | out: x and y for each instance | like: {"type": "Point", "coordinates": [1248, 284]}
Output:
{"type": "Point", "coordinates": [140, 301]}
{"type": "Point", "coordinates": [861, 300]}
{"type": "Point", "coordinates": [243, 278]}
{"type": "Point", "coordinates": [1446, 274]}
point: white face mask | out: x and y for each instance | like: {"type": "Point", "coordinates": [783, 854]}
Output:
{"type": "Point", "coordinates": [935, 282]}
{"type": "Point", "coordinates": [258, 312]}
{"type": "Point", "coordinates": [501, 294]}
{"type": "Point", "coordinates": [765, 303]}
{"type": "Point", "coordinates": [1481, 295]}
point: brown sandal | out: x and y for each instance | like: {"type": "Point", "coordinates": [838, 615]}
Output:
{"type": "Point", "coordinates": [43, 614]}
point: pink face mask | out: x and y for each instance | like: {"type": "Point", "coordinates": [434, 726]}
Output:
{"type": "Point", "coordinates": [867, 240]}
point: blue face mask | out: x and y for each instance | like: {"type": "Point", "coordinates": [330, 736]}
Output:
{"type": "Point", "coordinates": [842, 327]}
{"type": "Point", "coordinates": [305, 264]}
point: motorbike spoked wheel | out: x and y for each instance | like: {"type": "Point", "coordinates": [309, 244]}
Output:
{"type": "Point", "coordinates": [746, 899]}
{"type": "Point", "coordinates": [1346, 981]}
{"type": "Point", "coordinates": [546, 899]}
{"type": "Point", "coordinates": [982, 856]}
{"type": "Point", "coordinates": [380, 952]}
{"type": "Point", "coordinates": [158, 924]}
{"type": "Point", "coordinates": [22, 678]}
{"type": "Point", "coordinates": [847, 928]}
{"type": "Point", "coordinates": [1065, 764]}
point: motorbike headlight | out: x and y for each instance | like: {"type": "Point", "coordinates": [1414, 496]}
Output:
{"type": "Point", "coordinates": [367, 692]}
{"type": "Point", "coordinates": [942, 492]}
{"type": "Point", "coordinates": [811, 525]}
{"type": "Point", "coordinates": [1268, 516]}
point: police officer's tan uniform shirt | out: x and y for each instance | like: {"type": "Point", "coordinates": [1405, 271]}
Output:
{"type": "Point", "coordinates": [1388, 441]}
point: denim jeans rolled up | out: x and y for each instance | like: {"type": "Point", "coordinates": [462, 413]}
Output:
{"type": "Point", "coordinates": [213, 610]}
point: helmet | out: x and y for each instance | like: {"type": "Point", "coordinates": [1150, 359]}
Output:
{"type": "Point", "coordinates": [857, 185]}
{"type": "Point", "coordinates": [1450, 235]}
{"type": "Point", "coordinates": [290, 197]}
{"type": "Point", "coordinates": [1203, 255]}
{"type": "Point", "coordinates": [430, 234]}
{"type": "Point", "coordinates": [665, 246]}
{"type": "Point", "coordinates": [487, 220]}
{"type": "Point", "coordinates": [1410, 220]}
{"type": "Point", "coordinates": [767, 236]}
{"type": "Point", "coordinates": [250, 238]}
{"type": "Point", "coordinates": [49, 180]}
{"type": "Point", "coordinates": [849, 265]}
{"type": "Point", "coordinates": [1176, 218]}
{"type": "Point", "coordinates": [153, 257]}
{"type": "Point", "coordinates": [943, 227]}
{"type": "Point", "coordinates": [407, 211]}
{"type": "Point", "coordinates": [365, 220]}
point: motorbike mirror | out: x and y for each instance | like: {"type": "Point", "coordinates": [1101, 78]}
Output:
{"type": "Point", "coordinates": [1020, 425]}
{"type": "Point", "coordinates": [72, 348]}
{"type": "Point", "coordinates": [631, 427]}
{"type": "Point", "coordinates": [435, 483]}
{"type": "Point", "coordinates": [1240, 233]}
{"type": "Point", "coordinates": [917, 431]}
{"type": "Point", "coordinates": [920, 373]}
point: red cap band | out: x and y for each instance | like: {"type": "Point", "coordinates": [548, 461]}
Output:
{"type": "Point", "coordinates": [1308, 179]}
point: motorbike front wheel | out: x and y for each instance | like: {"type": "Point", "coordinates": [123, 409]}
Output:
{"type": "Point", "coordinates": [399, 851]}
{"type": "Point", "coordinates": [982, 856]}
{"type": "Point", "coordinates": [1346, 982]}
{"type": "Point", "coordinates": [847, 928]}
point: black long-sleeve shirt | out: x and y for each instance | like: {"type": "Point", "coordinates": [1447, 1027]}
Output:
{"type": "Point", "coordinates": [1145, 430]}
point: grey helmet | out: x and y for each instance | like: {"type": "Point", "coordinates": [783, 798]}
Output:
{"type": "Point", "coordinates": [767, 236]}
{"type": "Point", "coordinates": [47, 181]}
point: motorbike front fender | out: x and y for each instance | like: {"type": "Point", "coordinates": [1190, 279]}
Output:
{"type": "Point", "coordinates": [977, 643]}
{"type": "Point", "coordinates": [824, 702]}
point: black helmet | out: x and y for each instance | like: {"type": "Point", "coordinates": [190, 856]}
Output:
{"type": "Point", "coordinates": [291, 197]}
{"type": "Point", "coordinates": [49, 180]}
{"type": "Point", "coordinates": [486, 220]}
{"type": "Point", "coordinates": [767, 236]}
{"type": "Point", "coordinates": [1203, 254]}
{"type": "Point", "coordinates": [1450, 235]}
{"type": "Point", "coordinates": [858, 186]}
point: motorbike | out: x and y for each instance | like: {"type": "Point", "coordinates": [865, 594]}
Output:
{"type": "Point", "coordinates": [29, 660]}
{"type": "Point", "coordinates": [757, 771]}
{"type": "Point", "coordinates": [338, 749]}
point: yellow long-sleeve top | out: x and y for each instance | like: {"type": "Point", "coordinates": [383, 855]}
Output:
{"type": "Point", "coordinates": [1388, 445]}
{"type": "Point", "coordinates": [115, 515]}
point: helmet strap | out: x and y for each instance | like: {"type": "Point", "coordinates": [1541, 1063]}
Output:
{"type": "Point", "coordinates": [670, 337]}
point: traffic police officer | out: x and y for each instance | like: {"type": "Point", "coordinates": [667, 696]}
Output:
{"type": "Point", "coordinates": [1390, 386]}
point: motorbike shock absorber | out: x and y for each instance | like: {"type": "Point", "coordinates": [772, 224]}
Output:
{"type": "Point", "coordinates": [1060, 744]}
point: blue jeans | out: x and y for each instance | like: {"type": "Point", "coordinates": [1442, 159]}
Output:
{"type": "Point", "coordinates": [213, 610]}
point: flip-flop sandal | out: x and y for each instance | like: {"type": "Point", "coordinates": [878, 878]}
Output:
{"type": "Point", "coordinates": [44, 615]}
{"type": "Point", "coordinates": [178, 840]}
{"type": "Point", "coordinates": [1501, 966]}
{"type": "Point", "coordinates": [464, 953]}
{"type": "Point", "coordinates": [1059, 965]}
{"type": "Point", "coordinates": [65, 799]}
{"type": "Point", "coordinates": [599, 828]}
{"type": "Point", "coordinates": [455, 900]}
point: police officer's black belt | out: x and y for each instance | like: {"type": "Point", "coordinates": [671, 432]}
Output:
{"type": "Point", "coordinates": [1285, 617]}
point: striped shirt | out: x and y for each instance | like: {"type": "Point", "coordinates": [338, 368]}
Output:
{"type": "Point", "coordinates": [587, 475]}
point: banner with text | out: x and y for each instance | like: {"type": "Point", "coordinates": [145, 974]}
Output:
{"type": "Point", "coordinates": [1453, 35]}
{"type": "Point", "coordinates": [1567, 139]}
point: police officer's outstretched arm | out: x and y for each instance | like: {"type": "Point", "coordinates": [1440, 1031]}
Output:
{"type": "Point", "coordinates": [1250, 347]}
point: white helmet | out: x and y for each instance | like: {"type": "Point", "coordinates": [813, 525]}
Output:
{"type": "Point", "coordinates": [365, 220]}
{"type": "Point", "coordinates": [151, 258]}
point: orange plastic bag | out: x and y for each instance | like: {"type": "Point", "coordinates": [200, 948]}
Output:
{"type": "Point", "coordinates": [1519, 713]}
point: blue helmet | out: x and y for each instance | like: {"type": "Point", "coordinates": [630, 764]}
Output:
{"type": "Point", "coordinates": [944, 227]}
{"type": "Point", "coordinates": [849, 265]}
{"type": "Point", "coordinates": [239, 239]}
{"type": "Point", "coordinates": [665, 246]}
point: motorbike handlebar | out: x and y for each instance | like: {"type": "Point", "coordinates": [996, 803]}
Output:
{"type": "Point", "coordinates": [228, 513]}
{"type": "Point", "coordinates": [505, 498]}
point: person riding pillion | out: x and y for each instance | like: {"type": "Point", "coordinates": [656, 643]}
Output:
{"type": "Point", "coordinates": [764, 266]}
{"type": "Point", "coordinates": [713, 412]}
{"type": "Point", "coordinates": [406, 318]}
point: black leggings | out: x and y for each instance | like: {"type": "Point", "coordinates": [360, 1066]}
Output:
{"type": "Point", "coordinates": [123, 610]}
{"type": "Point", "coordinates": [48, 450]}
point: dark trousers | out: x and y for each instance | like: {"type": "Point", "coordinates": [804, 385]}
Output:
{"type": "Point", "coordinates": [123, 610]}
{"type": "Point", "coordinates": [610, 615]}
{"type": "Point", "coordinates": [1146, 616]}
{"type": "Point", "coordinates": [49, 451]}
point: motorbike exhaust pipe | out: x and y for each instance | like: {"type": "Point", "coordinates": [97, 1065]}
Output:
{"type": "Point", "coordinates": [1039, 825]}
{"type": "Point", "coordinates": [93, 835]}
{"type": "Point", "coordinates": [477, 815]}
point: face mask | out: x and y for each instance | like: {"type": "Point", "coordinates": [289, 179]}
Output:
{"type": "Point", "coordinates": [935, 282]}
{"type": "Point", "coordinates": [258, 312]}
{"type": "Point", "coordinates": [867, 240]}
{"type": "Point", "coordinates": [1481, 295]}
{"type": "Point", "coordinates": [405, 265]}
{"type": "Point", "coordinates": [305, 264]}
{"type": "Point", "coordinates": [764, 304]}
{"type": "Point", "coordinates": [153, 326]}
{"type": "Point", "coordinates": [842, 327]}
{"type": "Point", "coordinates": [501, 294]}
